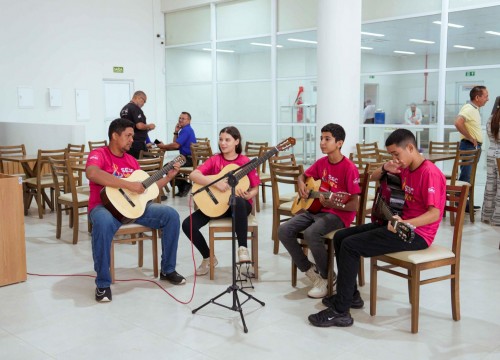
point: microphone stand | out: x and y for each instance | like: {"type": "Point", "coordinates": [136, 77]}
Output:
{"type": "Point", "coordinates": [233, 288]}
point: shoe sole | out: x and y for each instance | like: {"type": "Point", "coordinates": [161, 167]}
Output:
{"type": "Point", "coordinates": [353, 306]}
{"type": "Point", "coordinates": [338, 323]}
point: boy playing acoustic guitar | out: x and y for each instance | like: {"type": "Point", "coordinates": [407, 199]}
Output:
{"type": "Point", "coordinates": [425, 195]}
{"type": "Point", "coordinates": [338, 175]}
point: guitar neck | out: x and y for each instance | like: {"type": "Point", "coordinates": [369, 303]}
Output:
{"type": "Point", "coordinates": [256, 162]}
{"type": "Point", "coordinates": [159, 174]}
{"type": "Point", "coordinates": [316, 194]}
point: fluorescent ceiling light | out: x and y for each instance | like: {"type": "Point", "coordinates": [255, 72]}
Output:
{"type": "Point", "coordinates": [464, 47]}
{"type": "Point", "coordinates": [303, 41]}
{"type": "Point", "coordinates": [366, 48]}
{"type": "Point", "coordinates": [422, 41]}
{"type": "Point", "coordinates": [404, 52]}
{"type": "Point", "coordinates": [449, 24]}
{"type": "Point", "coordinates": [493, 33]}
{"type": "Point", "coordinates": [267, 45]}
{"type": "Point", "coordinates": [219, 50]}
{"type": "Point", "coordinates": [371, 34]}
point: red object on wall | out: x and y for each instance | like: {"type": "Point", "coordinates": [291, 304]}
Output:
{"type": "Point", "coordinates": [298, 102]}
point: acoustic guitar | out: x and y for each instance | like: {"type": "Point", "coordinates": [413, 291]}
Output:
{"type": "Point", "coordinates": [213, 202]}
{"type": "Point", "coordinates": [389, 201]}
{"type": "Point", "coordinates": [312, 203]}
{"type": "Point", "coordinates": [125, 205]}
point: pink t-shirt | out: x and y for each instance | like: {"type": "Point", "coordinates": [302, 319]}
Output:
{"type": "Point", "coordinates": [340, 177]}
{"type": "Point", "coordinates": [121, 167]}
{"type": "Point", "coordinates": [217, 162]}
{"type": "Point", "coordinates": [424, 187]}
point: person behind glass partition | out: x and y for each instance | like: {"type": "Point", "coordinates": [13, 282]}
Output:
{"type": "Point", "coordinates": [413, 115]}
{"type": "Point", "coordinates": [369, 112]}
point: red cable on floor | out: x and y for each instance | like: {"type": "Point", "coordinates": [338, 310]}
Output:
{"type": "Point", "coordinates": [147, 280]}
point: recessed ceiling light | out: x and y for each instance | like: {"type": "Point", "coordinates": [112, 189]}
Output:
{"type": "Point", "coordinates": [366, 48]}
{"type": "Point", "coordinates": [219, 50]}
{"type": "Point", "coordinates": [449, 24]}
{"type": "Point", "coordinates": [371, 34]}
{"type": "Point", "coordinates": [493, 33]}
{"type": "Point", "coordinates": [422, 41]}
{"type": "Point", "coordinates": [263, 44]}
{"type": "Point", "coordinates": [404, 52]}
{"type": "Point", "coordinates": [464, 47]}
{"type": "Point", "coordinates": [303, 41]}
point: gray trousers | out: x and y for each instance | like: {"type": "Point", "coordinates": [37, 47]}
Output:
{"type": "Point", "coordinates": [315, 226]}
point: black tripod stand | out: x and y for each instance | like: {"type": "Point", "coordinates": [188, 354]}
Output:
{"type": "Point", "coordinates": [233, 288]}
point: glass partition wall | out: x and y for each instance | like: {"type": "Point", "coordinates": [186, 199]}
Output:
{"type": "Point", "coordinates": [252, 63]}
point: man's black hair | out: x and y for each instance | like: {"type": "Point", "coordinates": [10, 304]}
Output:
{"type": "Point", "coordinates": [118, 126]}
{"type": "Point", "coordinates": [401, 138]}
{"type": "Point", "coordinates": [336, 130]}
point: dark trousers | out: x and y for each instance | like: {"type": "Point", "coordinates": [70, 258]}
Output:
{"type": "Point", "coordinates": [199, 219]}
{"type": "Point", "coordinates": [465, 171]}
{"type": "Point", "coordinates": [365, 240]}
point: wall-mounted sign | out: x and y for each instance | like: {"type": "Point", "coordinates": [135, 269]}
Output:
{"type": "Point", "coordinates": [118, 69]}
{"type": "Point", "coordinates": [470, 73]}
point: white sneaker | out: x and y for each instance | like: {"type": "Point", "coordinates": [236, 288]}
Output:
{"type": "Point", "coordinates": [312, 274]}
{"type": "Point", "coordinates": [319, 289]}
{"type": "Point", "coordinates": [243, 255]}
{"type": "Point", "coordinates": [204, 267]}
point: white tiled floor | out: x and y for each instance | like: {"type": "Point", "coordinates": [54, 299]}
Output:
{"type": "Point", "coordinates": [58, 318]}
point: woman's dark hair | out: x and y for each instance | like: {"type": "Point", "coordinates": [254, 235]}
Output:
{"type": "Point", "coordinates": [118, 126]}
{"type": "Point", "coordinates": [401, 138]}
{"type": "Point", "coordinates": [495, 118]}
{"type": "Point", "coordinates": [235, 133]}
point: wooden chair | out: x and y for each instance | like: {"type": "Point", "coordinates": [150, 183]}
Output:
{"type": "Point", "coordinates": [435, 256]}
{"type": "Point", "coordinates": [151, 166]}
{"type": "Point", "coordinates": [282, 175]}
{"type": "Point", "coordinates": [66, 196]}
{"type": "Point", "coordinates": [450, 147]}
{"type": "Point", "coordinates": [97, 144]}
{"type": "Point", "coordinates": [282, 158]}
{"type": "Point", "coordinates": [221, 229]}
{"type": "Point", "coordinates": [465, 158]}
{"type": "Point", "coordinates": [252, 149]}
{"type": "Point", "coordinates": [367, 153]}
{"type": "Point", "coordinates": [76, 148]}
{"type": "Point", "coordinates": [265, 177]}
{"type": "Point", "coordinates": [200, 151]}
{"type": "Point", "coordinates": [35, 187]}
{"type": "Point", "coordinates": [8, 167]}
{"type": "Point", "coordinates": [328, 238]}
{"type": "Point", "coordinates": [132, 233]}
{"type": "Point", "coordinates": [383, 155]}
{"type": "Point", "coordinates": [202, 140]}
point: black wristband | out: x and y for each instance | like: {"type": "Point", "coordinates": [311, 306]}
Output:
{"type": "Point", "coordinates": [384, 171]}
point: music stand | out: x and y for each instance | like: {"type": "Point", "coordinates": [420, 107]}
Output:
{"type": "Point", "coordinates": [233, 288]}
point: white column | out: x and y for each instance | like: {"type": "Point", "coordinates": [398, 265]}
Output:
{"type": "Point", "coordinates": [339, 62]}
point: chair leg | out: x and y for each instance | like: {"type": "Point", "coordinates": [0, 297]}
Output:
{"type": "Point", "coordinates": [361, 273]}
{"type": "Point", "coordinates": [257, 201]}
{"type": "Point", "coordinates": [75, 216]}
{"type": "Point", "coordinates": [58, 221]}
{"type": "Point", "coordinates": [255, 250]}
{"type": "Point", "coordinates": [294, 274]}
{"type": "Point", "coordinates": [112, 262]}
{"type": "Point", "coordinates": [471, 204]}
{"type": "Point", "coordinates": [415, 298]}
{"type": "Point", "coordinates": [140, 252]}
{"type": "Point", "coordinates": [263, 188]}
{"type": "Point", "coordinates": [373, 286]}
{"type": "Point", "coordinates": [40, 204]}
{"type": "Point", "coordinates": [455, 294]}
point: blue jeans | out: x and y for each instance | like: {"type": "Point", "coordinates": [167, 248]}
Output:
{"type": "Point", "coordinates": [104, 226]}
{"type": "Point", "coordinates": [465, 171]}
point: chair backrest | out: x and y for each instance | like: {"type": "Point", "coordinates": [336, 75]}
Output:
{"type": "Point", "coordinates": [43, 167]}
{"type": "Point", "coordinates": [11, 150]}
{"type": "Point", "coordinates": [204, 140]}
{"type": "Point", "coordinates": [152, 153]}
{"type": "Point", "coordinates": [283, 158]}
{"type": "Point", "coordinates": [465, 158]}
{"type": "Point", "coordinates": [76, 148]}
{"type": "Point", "coordinates": [151, 165]}
{"type": "Point", "coordinates": [97, 144]}
{"type": "Point", "coordinates": [62, 175]}
{"type": "Point", "coordinates": [364, 181]}
{"type": "Point", "coordinates": [456, 200]}
{"type": "Point", "coordinates": [284, 175]}
{"type": "Point", "coordinates": [367, 152]}
{"type": "Point", "coordinates": [200, 152]}
{"type": "Point", "coordinates": [383, 155]}
{"type": "Point", "coordinates": [252, 149]}
{"type": "Point", "coordinates": [436, 147]}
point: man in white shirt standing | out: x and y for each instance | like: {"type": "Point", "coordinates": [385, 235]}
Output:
{"type": "Point", "coordinates": [413, 115]}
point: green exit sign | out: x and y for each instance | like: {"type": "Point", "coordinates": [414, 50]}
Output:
{"type": "Point", "coordinates": [470, 73]}
{"type": "Point", "coordinates": [371, 77]}
{"type": "Point", "coordinates": [118, 69]}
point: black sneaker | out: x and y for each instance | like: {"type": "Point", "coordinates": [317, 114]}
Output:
{"type": "Point", "coordinates": [174, 277]}
{"type": "Point", "coordinates": [357, 302]}
{"type": "Point", "coordinates": [103, 294]}
{"type": "Point", "coordinates": [331, 317]}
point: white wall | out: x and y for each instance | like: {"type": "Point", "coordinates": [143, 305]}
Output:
{"type": "Point", "coordinates": [74, 45]}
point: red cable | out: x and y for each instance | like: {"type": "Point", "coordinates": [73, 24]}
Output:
{"type": "Point", "coordinates": [146, 280]}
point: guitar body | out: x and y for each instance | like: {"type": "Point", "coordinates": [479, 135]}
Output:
{"type": "Point", "coordinates": [312, 203]}
{"type": "Point", "coordinates": [125, 205]}
{"type": "Point", "coordinates": [213, 202]}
